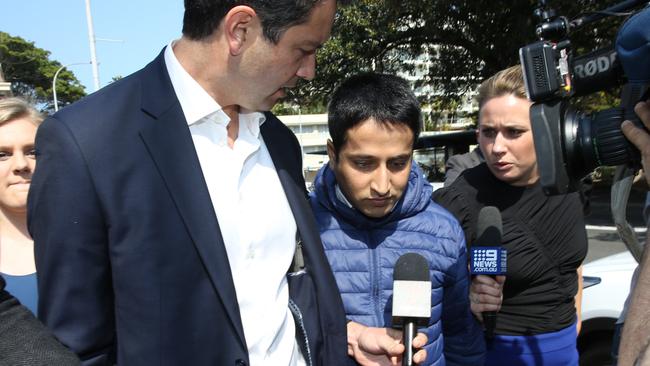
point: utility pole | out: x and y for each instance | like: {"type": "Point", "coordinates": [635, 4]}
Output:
{"type": "Point", "coordinates": [92, 41]}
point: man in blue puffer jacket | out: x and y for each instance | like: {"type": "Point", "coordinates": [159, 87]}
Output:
{"type": "Point", "coordinates": [373, 204]}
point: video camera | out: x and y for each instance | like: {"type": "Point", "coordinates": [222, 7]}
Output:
{"type": "Point", "coordinates": [569, 143]}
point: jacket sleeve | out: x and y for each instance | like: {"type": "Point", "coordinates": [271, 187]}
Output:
{"type": "Point", "coordinates": [24, 340]}
{"type": "Point", "coordinates": [463, 338]}
{"type": "Point", "coordinates": [454, 166]}
{"type": "Point", "coordinates": [71, 247]}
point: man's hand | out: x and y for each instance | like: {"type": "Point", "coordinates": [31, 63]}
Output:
{"type": "Point", "coordinates": [635, 334]}
{"type": "Point", "coordinates": [486, 294]}
{"type": "Point", "coordinates": [639, 137]}
{"type": "Point", "coordinates": [372, 346]}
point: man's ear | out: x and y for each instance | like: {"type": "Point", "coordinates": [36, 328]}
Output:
{"type": "Point", "coordinates": [238, 24]}
{"type": "Point", "coordinates": [331, 152]}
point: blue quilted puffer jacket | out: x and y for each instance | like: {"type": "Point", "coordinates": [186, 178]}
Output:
{"type": "Point", "coordinates": [362, 252]}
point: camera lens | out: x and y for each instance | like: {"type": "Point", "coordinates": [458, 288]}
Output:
{"type": "Point", "coordinates": [595, 140]}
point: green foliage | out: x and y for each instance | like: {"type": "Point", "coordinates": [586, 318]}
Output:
{"type": "Point", "coordinates": [31, 71]}
{"type": "Point", "coordinates": [598, 101]}
{"type": "Point", "coordinates": [282, 109]}
{"type": "Point", "coordinates": [116, 78]}
{"type": "Point", "coordinates": [465, 41]}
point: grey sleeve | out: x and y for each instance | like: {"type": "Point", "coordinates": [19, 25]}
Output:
{"type": "Point", "coordinates": [456, 164]}
{"type": "Point", "coordinates": [24, 341]}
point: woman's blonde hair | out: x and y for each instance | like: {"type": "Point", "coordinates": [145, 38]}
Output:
{"type": "Point", "coordinates": [504, 82]}
{"type": "Point", "coordinates": [14, 108]}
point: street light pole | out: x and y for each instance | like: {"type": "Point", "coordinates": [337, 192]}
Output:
{"type": "Point", "coordinates": [92, 41]}
{"type": "Point", "coordinates": [56, 74]}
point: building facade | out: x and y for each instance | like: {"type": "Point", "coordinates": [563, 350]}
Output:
{"type": "Point", "coordinates": [5, 87]}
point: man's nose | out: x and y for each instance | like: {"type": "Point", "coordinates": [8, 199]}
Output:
{"type": "Point", "coordinates": [307, 69]}
{"type": "Point", "coordinates": [381, 182]}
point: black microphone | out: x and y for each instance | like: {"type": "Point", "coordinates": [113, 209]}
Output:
{"type": "Point", "coordinates": [486, 255]}
{"type": "Point", "coordinates": [627, 61]}
{"type": "Point", "coordinates": [598, 70]}
{"type": "Point", "coordinates": [411, 298]}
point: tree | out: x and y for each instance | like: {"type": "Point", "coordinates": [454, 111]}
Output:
{"type": "Point", "coordinates": [30, 71]}
{"type": "Point", "coordinates": [465, 41]}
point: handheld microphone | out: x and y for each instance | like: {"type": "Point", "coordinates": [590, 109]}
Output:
{"type": "Point", "coordinates": [486, 255]}
{"type": "Point", "coordinates": [411, 298]}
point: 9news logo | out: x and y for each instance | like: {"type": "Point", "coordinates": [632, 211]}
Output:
{"type": "Point", "coordinates": [488, 260]}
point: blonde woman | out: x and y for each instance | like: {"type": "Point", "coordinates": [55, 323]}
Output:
{"type": "Point", "coordinates": [18, 124]}
{"type": "Point", "coordinates": [545, 236]}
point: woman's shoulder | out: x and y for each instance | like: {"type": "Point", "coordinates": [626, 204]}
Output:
{"type": "Point", "coordinates": [470, 181]}
{"type": "Point", "coordinates": [568, 204]}
{"type": "Point", "coordinates": [460, 197]}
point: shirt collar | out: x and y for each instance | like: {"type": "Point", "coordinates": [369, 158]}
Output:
{"type": "Point", "coordinates": [251, 121]}
{"type": "Point", "coordinates": [341, 197]}
{"type": "Point", "coordinates": [195, 101]}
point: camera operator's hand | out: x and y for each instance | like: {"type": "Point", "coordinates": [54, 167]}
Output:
{"type": "Point", "coordinates": [635, 336]}
{"type": "Point", "coordinates": [639, 137]}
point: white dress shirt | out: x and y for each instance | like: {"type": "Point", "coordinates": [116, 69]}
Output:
{"type": "Point", "coordinates": [254, 216]}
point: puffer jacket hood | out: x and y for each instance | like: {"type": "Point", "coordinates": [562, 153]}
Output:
{"type": "Point", "coordinates": [415, 198]}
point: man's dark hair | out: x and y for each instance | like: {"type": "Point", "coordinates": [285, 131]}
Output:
{"type": "Point", "coordinates": [202, 17]}
{"type": "Point", "coordinates": [388, 99]}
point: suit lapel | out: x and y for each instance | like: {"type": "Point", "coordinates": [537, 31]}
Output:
{"type": "Point", "coordinates": [183, 177]}
{"type": "Point", "coordinates": [289, 169]}
{"type": "Point", "coordinates": [285, 163]}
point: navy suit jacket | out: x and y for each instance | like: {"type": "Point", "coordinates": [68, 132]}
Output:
{"type": "Point", "coordinates": [131, 264]}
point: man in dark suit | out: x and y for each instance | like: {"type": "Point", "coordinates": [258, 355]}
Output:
{"type": "Point", "coordinates": [167, 209]}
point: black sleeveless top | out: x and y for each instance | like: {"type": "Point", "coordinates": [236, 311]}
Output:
{"type": "Point", "coordinates": [546, 241]}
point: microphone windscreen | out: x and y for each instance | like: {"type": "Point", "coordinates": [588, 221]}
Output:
{"type": "Point", "coordinates": [411, 267]}
{"type": "Point", "coordinates": [488, 227]}
{"type": "Point", "coordinates": [633, 47]}
{"type": "Point", "coordinates": [411, 289]}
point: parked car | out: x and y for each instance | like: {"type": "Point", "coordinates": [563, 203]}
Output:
{"type": "Point", "coordinates": [602, 304]}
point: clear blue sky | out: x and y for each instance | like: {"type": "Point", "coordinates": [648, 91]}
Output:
{"type": "Point", "coordinates": [60, 27]}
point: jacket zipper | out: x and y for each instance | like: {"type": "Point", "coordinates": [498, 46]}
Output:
{"type": "Point", "coordinates": [375, 289]}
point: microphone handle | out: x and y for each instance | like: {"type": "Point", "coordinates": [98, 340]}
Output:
{"type": "Point", "coordinates": [490, 321]}
{"type": "Point", "coordinates": [407, 338]}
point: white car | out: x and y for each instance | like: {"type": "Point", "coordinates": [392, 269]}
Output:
{"type": "Point", "coordinates": [602, 304]}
